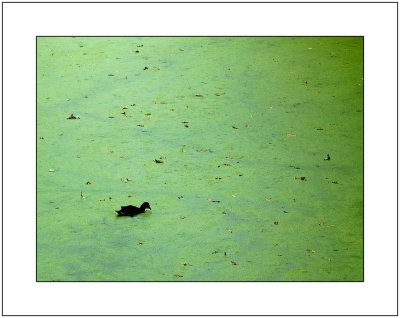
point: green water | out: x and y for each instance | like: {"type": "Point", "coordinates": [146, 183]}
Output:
{"type": "Point", "coordinates": [238, 123]}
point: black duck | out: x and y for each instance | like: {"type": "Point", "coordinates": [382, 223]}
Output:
{"type": "Point", "coordinates": [131, 210]}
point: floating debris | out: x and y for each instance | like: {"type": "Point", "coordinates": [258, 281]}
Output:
{"type": "Point", "coordinates": [198, 95]}
{"type": "Point", "coordinates": [159, 160]}
{"type": "Point", "coordinates": [110, 75]}
{"type": "Point", "coordinates": [125, 180]}
{"type": "Point", "coordinates": [180, 197]}
{"type": "Point", "coordinates": [145, 68]}
{"type": "Point", "coordinates": [204, 150]}
{"type": "Point", "coordinates": [219, 93]}
{"type": "Point", "coordinates": [88, 182]}
{"type": "Point", "coordinates": [235, 127]}
{"type": "Point", "coordinates": [215, 201]}
{"type": "Point", "coordinates": [276, 222]}
{"type": "Point", "coordinates": [301, 178]}
{"type": "Point", "coordinates": [234, 263]}
{"type": "Point", "coordinates": [51, 170]}
{"type": "Point", "coordinates": [72, 116]}
{"type": "Point", "coordinates": [328, 157]}
{"type": "Point", "coordinates": [82, 196]}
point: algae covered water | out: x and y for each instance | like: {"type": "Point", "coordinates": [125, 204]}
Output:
{"type": "Point", "coordinates": [248, 149]}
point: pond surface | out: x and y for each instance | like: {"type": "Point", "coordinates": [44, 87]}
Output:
{"type": "Point", "coordinates": [242, 127]}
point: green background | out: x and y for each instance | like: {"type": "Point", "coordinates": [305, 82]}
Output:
{"type": "Point", "coordinates": [237, 121]}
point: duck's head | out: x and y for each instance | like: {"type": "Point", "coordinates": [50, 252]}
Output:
{"type": "Point", "coordinates": [145, 205]}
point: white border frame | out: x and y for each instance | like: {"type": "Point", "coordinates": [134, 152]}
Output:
{"type": "Point", "coordinates": [377, 22]}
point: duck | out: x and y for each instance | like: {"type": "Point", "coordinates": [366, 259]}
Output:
{"type": "Point", "coordinates": [131, 210]}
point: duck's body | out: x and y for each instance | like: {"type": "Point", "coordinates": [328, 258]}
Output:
{"type": "Point", "coordinates": [131, 210]}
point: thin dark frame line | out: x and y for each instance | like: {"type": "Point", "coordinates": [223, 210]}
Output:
{"type": "Point", "coordinates": [195, 315]}
{"type": "Point", "coordinates": [36, 147]}
{"type": "Point", "coordinates": [205, 281]}
{"type": "Point", "coordinates": [2, 162]}
{"type": "Point", "coordinates": [204, 2]}
{"type": "Point", "coordinates": [198, 36]}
